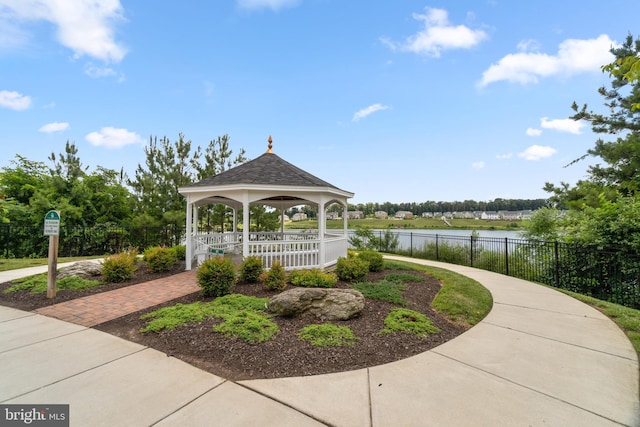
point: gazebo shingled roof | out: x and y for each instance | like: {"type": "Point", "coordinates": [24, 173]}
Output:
{"type": "Point", "coordinates": [268, 169]}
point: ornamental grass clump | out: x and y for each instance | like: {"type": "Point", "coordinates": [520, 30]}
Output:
{"type": "Point", "coordinates": [251, 269]}
{"type": "Point", "coordinates": [120, 267]}
{"type": "Point", "coordinates": [351, 268]}
{"type": "Point", "coordinates": [314, 278]}
{"type": "Point", "coordinates": [216, 277]}
{"type": "Point", "coordinates": [159, 259]}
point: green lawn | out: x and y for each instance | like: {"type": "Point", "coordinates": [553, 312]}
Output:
{"type": "Point", "coordinates": [461, 299]}
{"type": "Point", "coordinates": [416, 223]}
{"type": "Point", "coordinates": [15, 263]}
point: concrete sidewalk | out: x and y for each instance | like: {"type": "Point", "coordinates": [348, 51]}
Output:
{"type": "Point", "coordinates": [539, 358]}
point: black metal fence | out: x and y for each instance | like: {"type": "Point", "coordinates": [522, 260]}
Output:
{"type": "Point", "coordinates": [30, 242]}
{"type": "Point", "coordinates": [611, 274]}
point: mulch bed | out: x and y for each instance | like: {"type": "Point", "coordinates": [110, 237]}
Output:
{"type": "Point", "coordinates": [285, 355]}
{"type": "Point", "coordinates": [24, 300]}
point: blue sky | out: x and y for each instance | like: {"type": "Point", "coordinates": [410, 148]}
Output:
{"type": "Point", "coordinates": [399, 101]}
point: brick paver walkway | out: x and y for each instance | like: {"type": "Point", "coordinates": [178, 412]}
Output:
{"type": "Point", "coordinates": [99, 308]}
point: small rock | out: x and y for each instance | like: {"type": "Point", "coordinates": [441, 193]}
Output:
{"type": "Point", "coordinates": [82, 269]}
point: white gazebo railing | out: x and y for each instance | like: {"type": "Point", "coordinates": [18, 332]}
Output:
{"type": "Point", "coordinates": [293, 249]}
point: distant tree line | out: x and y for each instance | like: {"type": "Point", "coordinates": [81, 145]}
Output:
{"type": "Point", "coordinates": [369, 209]}
{"type": "Point", "coordinates": [456, 206]}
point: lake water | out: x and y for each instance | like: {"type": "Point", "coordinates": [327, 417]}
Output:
{"type": "Point", "coordinates": [415, 238]}
{"type": "Point", "coordinates": [511, 234]}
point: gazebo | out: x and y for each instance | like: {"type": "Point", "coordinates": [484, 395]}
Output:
{"type": "Point", "coordinates": [266, 181]}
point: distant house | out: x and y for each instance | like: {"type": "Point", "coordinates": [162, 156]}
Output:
{"type": "Point", "coordinates": [284, 218]}
{"type": "Point", "coordinates": [333, 215]}
{"type": "Point", "coordinates": [355, 215]}
{"type": "Point", "coordinates": [404, 215]}
{"type": "Point", "coordinates": [299, 216]}
{"type": "Point", "coordinates": [463, 215]}
{"type": "Point", "coordinates": [526, 214]}
{"type": "Point", "coordinates": [510, 215]}
{"type": "Point", "coordinates": [381, 214]}
{"type": "Point", "coordinates": [490, 215]}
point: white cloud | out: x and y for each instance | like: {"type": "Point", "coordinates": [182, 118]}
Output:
{"type": "Point", "coordinates": [563, 125]}
{"type": "Point", "coordinates": [537, 152]}
{"type": "Point", "coordinates": [262, 4]}
{"type": "Point", "coordinates": [54, 127]}
{"type": "Point", "coordinates": [574, 56]}
{"type": "Point", "coordinates": [14, 100]}
{"type": "Point", "coordinates": [369, 110]}
{"type": "Point", "coordinates": [94, 71]}
{"type": "Point", "coordinates": [504, 156]}
{"type": "Point", "coordinates": [534, 132]}
{"type": "Point", "coordinates": [477, 165]}
{"type": "Point", "coordinates": [529, 45]}
{"type": "Point", "coordinates": [85, 26]}
{"type": "Point", "coordinates": [438, 35]}
{"type": "Point", "coordinates": [113, 138]}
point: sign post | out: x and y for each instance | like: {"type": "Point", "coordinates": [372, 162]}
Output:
{"type": "Point", "coordinates": [52, 229]}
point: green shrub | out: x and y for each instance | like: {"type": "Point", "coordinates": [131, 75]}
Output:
{"type": "Point", "coordinates": [328, 335]}
{"type": "Point", "coordinates": [376, 263]}
{"type": "Point", "coordinates": [351, 268]}
{"type": "Point", "coordinates": [314, 278]}
{"type": "Point", "coordinates": [248, 325]}
{"type": "Point", "coordinates": [120, 267]}
{"type": "Point", "coordinates": [159, 259]}
{"type": "Point", "coordinates": [275, 278]}
{"type": "Point", "coordinates": [38, 284]}
{"type": "Point", "coordinates": [403, 277]}
{"type": "Point", "coordinates": [216, 277]}
{"type": "Point", "coordinates": [251, 269]}
{"type": "Point", "coordinates": [180, 251]}
{"type": "Point", "coordinates": [383, 290]}
{"type": "Point", "coordinates": [409, 321]}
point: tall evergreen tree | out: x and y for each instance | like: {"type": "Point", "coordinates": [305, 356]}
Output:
{"type": "Point", "coordinates": [619, 172]}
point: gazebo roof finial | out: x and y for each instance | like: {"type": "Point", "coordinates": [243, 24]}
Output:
{"type": "Point", "coordinates": [270, 149]}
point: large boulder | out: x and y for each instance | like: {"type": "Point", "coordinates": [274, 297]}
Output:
{"type": "Point", "coordinates": [91, 270]}
{"type": "Point", "coordinates": [326, 304]}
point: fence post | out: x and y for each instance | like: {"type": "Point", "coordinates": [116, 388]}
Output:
{"type": "Point", "coordinates": [437, 251]}
{"type": "Point", "coordinates": [471, 251]}
{"type": "Point", "coordinates": [506, 255]}
{"type": "Point", "coordinates": [557, 264]}
{"type": "Point", "coordinates": [7, 240]}
{"type": "Point", "coordinates": [411, 243]}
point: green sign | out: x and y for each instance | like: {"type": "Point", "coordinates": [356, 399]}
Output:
{"type": "Point", "coordinates": [52, 223]}
{"type": "Point", "coordinates": [52, 215]}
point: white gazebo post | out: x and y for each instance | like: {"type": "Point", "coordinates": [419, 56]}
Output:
{"type": "Point", "coordinates": [245, 224]}
{"type": "Point", "coordinates": [345, 219]}
{"type": "Point", "coordinates": [322, 226]}
{"type": "Point", "coordinates": [189, 235]}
